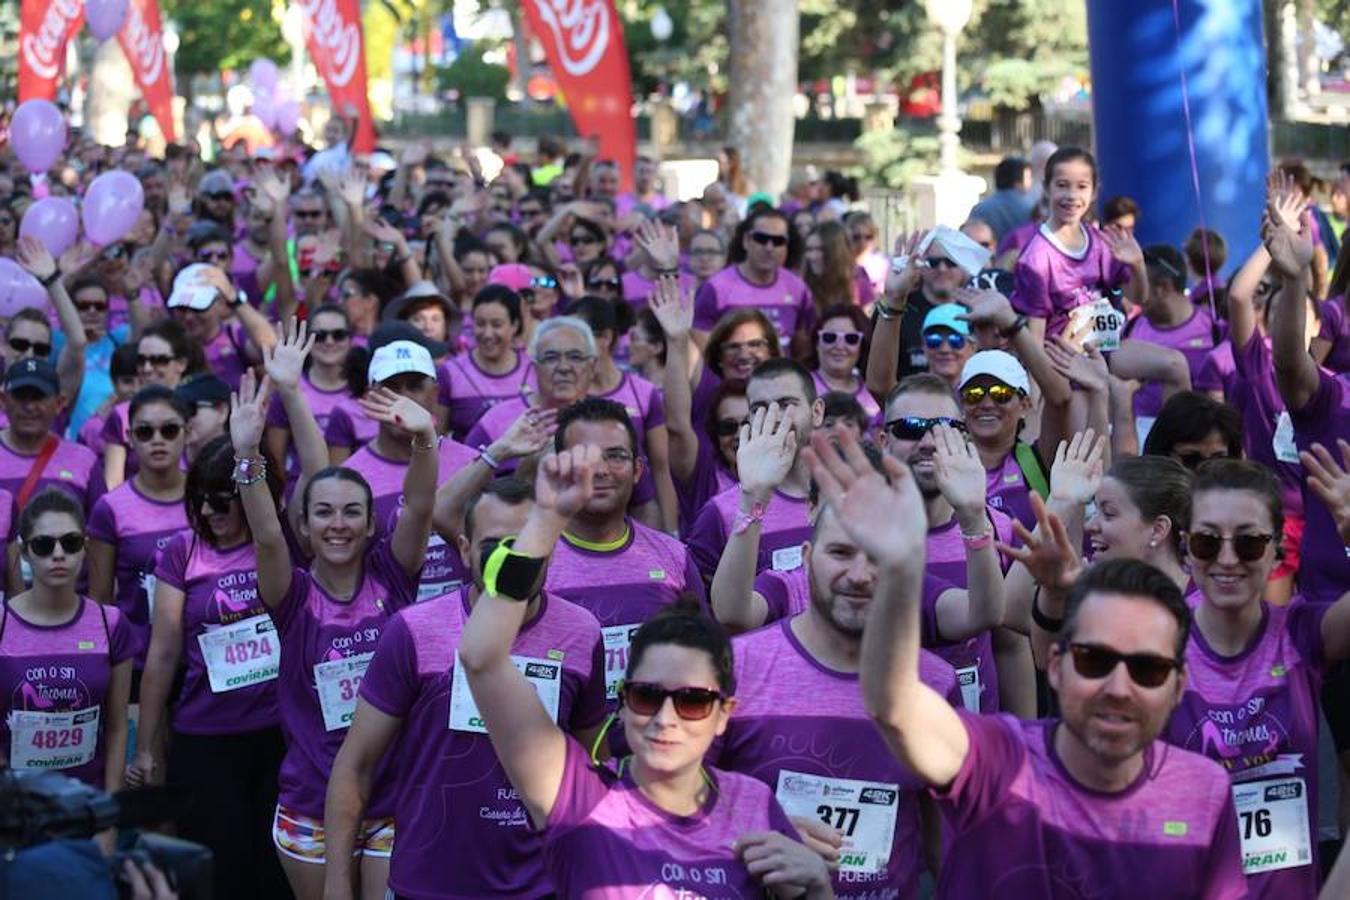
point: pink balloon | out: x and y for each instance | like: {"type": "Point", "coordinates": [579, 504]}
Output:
{"type": "Point", "coordinates": [287, 117]}
{"type": "Point", "coordinates": [54, 222]}
{"type": "Point", "coordinates": [111, 206]}
{"type": "Point", "coordinates": [265, 108]}
{"type": "Point", "coordinates": [105, 17]}
{"type": "Point", "coordinates": [262, 75]}
{"type": "Point", "coordinates": [18, 289]}
{"type": "Point", "coordinates": [38, 134]}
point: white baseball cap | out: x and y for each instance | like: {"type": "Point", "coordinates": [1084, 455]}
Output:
{"type": "Point", "coordinates": [399, 357]}
{"type": "Point", "coordinates": [191, 290]}
{"type": "Point", "coordinates": [998, 364]}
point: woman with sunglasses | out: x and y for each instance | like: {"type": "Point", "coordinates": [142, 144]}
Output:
{"type": "Point", "coordinates": [840, 351]}
{"type": "Point", "coordinates": [831, 270]}
{"type": "Point", "coordinates": [131, 523]}
{"type": "Point", "coordinates": [211, 635]}
{"type": "Point", "coordinates": [328, 614]}
{"type": "Point", "coordinates": [946, 341]}
{"type": "Point", "coordinates": [323, 384]}
{"type": "Point", "coordinates": [862, 237]}
{"type": "Point", "coordinates": [65, 661]}
{"type": "Point", "coordinates": [494, 370]}
{"type": "Point", "coordinates": [659, 820]}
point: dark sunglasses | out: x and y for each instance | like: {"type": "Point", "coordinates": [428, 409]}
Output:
{"type": "Point", "coordinates": [583, 240]}
{"type": "Point", "coordinates": [999, 393]}
{"type": "Point", "coordinates": [23, 345]}
{"type": "Point", "coordinates": [213, 255]}
{"type": "Point", "coordinates": [1248, 547]}
{"type": "Point", "coordinates": [44, 545]}
{"type": "Point", "coordinates": [335, 335]}
{"type": "Point", "coordinates": [220, 196]}
{"type": "Point", "coordinates": [940, 262]}
{"type": "Point", "coordinates": [691, 703]}
{"type": "Point", "coordinates": [935, 339]}
{"type": "Point", "coordinates": [612, 284]}
{"type": "Point", "coordinates": [913, 428]}
{"type": "Point", "coordinates": [1194, 461]}
{"type": "Point", "coordinates": [544, 281]}
{"type": "Point", "coordinates": [1146, 669]}
{"type": "Point", "coordinates": [308, 213]}
{"type": "Point", "coordinates": [860, 237]}
{"type": "Point", "coordinates": [726, 427]}
{"type": "Point", "coordinates": [769, 240]}
{"type": "Point", "coordinates": [118, 251]}
{"type": "Point", "coordinates": [154, 359]}
{"type": "Point", "coordinates": [146, 432]}
{"type": "Point", "coordinates": [90, 306]}
{"type": "Point", "coordinates": [527, 212]}
{"type": "Point", "coordinates": [219, 501]}
{"type": "Point", "coordinates": [850, 338]}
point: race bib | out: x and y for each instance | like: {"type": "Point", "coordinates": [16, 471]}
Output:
{"type": "Point", "coordinates": [1282, 443]}
{"type": "Point", "coordinates": [337, 682]}
{"type": "Point", "coordinates": [47, 740]}
{"type": "Point", "coordinates": [863, 812]}
{"type": "Point", "coordinates": [969, 679]}
{"type": "Point", "coordinates": [426, 590]}
{"type": "Point", "coordinates": [1098, 322]}
{"type": "Point", "coordinates": [545, 675]}
{"type": "Point", "coordinates": [241, 655]}
{"type": "Point", "coordinates": [1273, 824]}
{"type": "Point", "coordinates": [786, 559]}
{"type": "Point", "coordinates": [617, 638]}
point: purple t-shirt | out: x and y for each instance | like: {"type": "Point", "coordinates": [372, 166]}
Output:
{"type": "Point", "coordinates": [1009, 493]}
{"type": "Point", "coordinates": [468, 392]}
{"type": "Point", "coordinates": [116, 428]}
{"type": "Point", "coordinates": [1048, 283]}
{"type": "Point", "coordinates": [321, 403]}
{"type": "Point", "coordinates": [1325, 568]}
{"type": "Point", "coordinates": [73, 468]}
{"type": "Point", "coordinates": [1021, 826]}
{"type": "Point", "coordinates": [1017, 238]}
{"type": "Point", "coordinates": [787, 301]}
{"type": "Point", "coordinates": [493, 424]}
{"type": "Point", "coordinates": [605, 840]}
{"type": "Point", "coordinates": [1267, 430]}
{"type": "Point", "coordinates": [443, 570]}
{"type": "Point", "coordinates": [709, 478]}
{"type": "Point", "coordinates": [784, 529]}
{"type": "Point", "coordinates": [326, 644]}
{"type": "Point", "coordinates": [225, 354]}
{"type": "Point", "coordinates": [864, 397]}
{"type": "Point", "coordinates": [646, 406]}
{"type": "Point", "coordinates": [637, 290]}
{"type": "Point", "coordinates": [137, 527]}
{"type": "Point", "coordinates": [1336, 331]}
{"type": "Point", "coordinates": [1218, 371]}
{"type": "Point", "coordinates": [349, 426]}
{"type": "Point", "coordinates": [220, 590]}
{"type": "Point", "coordinates": [462, 832]}
{"type": "Point", "coordinates": [1193, 339]}
{"type": "Point", "coordinates": [46, 670]}
{"type": "Point", "coordinates": [797, 722]}
{"type": "Point", "coordinates": [1256, 714]}
{"type": "Point", "coordinates": [972, 658]}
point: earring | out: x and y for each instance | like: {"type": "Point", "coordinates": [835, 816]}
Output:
{"type": "Point", "coordinates": [1153, 543]}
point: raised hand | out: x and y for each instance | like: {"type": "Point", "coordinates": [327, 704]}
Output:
{"type": "Point", "coordinates": [659, 242]}
{"type": "Point", "coordinates": [789, 868]}
{"type": "Point", "coordinates": [1286, 227]}
{"type": "Point", "coordinates": [78, 257]}
{"type": "Point", "coordinates": [903, 279]}
{"type": "Point", "coordinates": [272, 186]}
{"type": "Point", "coordinates": [137, 274]}
{"type": "Point", "coordinates": [872, 506]}
{"type": "Point", "coordinates": [673, 307]}
{"type": "Point", "coordinates": [960, 474]}
{"type": "Point", "coordinates": [285, 361]}
{"type": "Point", "coordinates": [414, 154]}
{"type": "Point", "coordinates": [180, 199]}
{"type": "Point", "coordinates": [569, 279]}
{"type": "Point", "coordinates": [531, 432]}
{"type": "Point", "coordinates": [351, 187]}
{"type": "Point", "coordinates": [35, 258]}
{"type": "Point", "coordinates": [382, 231]}
{"type": "Point", "coordinates": [1122, 245]}
{"type": "Point", "coordinates": [767, 450]}
{"type": "Point", "coordinates": [1048, 554]}
{"type": "Point", "coordinates": [564, 482]}
{"type": "Point", "coordinates": [1330, 481]}
{"type": "Point", "coordinates": [1087, 369]}
{"type": "Point", "coordinates": [985, 306]}
{"type": "Point", "coordinates": [383, 405]}
{"type": "Point", "coordinates": [248, 414]}
{"type": "Point", "coordinates": [1077, 471]}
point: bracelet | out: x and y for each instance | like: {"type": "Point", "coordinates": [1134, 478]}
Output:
{"type": "Point", "coordinates": [249, 470]}
{"type": "Point", "coordinates": [1043, 622]}
{"type": "Point", "coordinates": [50, 279]}
{"type": "Point", "coordinates": [430, 445]}
{"type": "Point", "coordinates": [745, 519]}
{"type": "Point", "coordinates": [488, 460]}
{"type": "Point", "coordinates": [977, 541]}
{"type": "Point", "coordinates": [886, 313]}
{"type": "Point", "coordinates": [1017, 325]}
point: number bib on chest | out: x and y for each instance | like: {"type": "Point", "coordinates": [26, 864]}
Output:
{"type": "Point", "coordinates": [617, 638]}
{"type": "Point", "coordinates": [863, 812]}
{"type": "Point", "coordinates": [337, 682]}
{"type": "Point", "coordinates": [1098, 322]}
{"type": "Point", "coordinates": [1273, 824]}
{"type": "Point", "coordinates": [426, 590]}
{"type": "Point", "coordinates": [47, 740]}
{"type": "Point", "coordinates": [241, 655]}
{"type": "Point", "coordinates": [545, 676]}
{"type": "Point", "coordinates": [787, 559]}
{"type": "Point", "coordinates": [969, 680]}
{"type": "Point", "coordinates": [1282, 441]}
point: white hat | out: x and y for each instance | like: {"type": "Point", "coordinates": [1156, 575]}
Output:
{"type": "Point", "coordinates": [997, 364]}
{"type": "Point", "coordinates": [191, 290]}
{"type": "Point", "coordinates": [399, 357]}
{"type": "Point", "coordinates": [967, 254]}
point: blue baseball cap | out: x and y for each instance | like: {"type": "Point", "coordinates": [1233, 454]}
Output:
{"type": "Point", "coordinates": [945, 315]}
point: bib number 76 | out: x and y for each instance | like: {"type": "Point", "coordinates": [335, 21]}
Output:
{"type": "Point", "coordinates": [843, 819]}
{"type": "Point", "coordinates": [1255, 823]}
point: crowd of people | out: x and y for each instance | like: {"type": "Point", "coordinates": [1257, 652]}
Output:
{"type": "Point", "coordinates": [450, 536]}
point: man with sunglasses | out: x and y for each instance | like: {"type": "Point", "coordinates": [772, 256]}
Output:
{"type": "Point", "coordinates": [216, 200]}
{"type": "Point", "coordinates": [759, 280]}
{"type": "Point", "coordinates": [462, 829]}
{"type": "Point", "coordinates": [203, 301]}
{"type": "Point", "coordinates": [995, 397]}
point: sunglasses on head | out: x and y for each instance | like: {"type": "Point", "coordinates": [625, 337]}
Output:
{"type": "Point", "coordinates": [940, 262]}
{"type": "Point", "coordinates": [913, 428]}
{"type": "Point", "coordinates": [44, 545]}
{"type": "Point", "coordinates": [219, 501]}
{"type": "Point", "coordinates": [1206, 547]}
{"type": "Point", "coordinates": [1196, 459]}
{"type": "Point", "coordinates": [935, 339]}
{"type": "Point", "coordinates": [335, 335]}
{"type": "Point", "coordinates": [146, 432]}
{"type": "Point", "coordinates": [23, 345]}
{"type": "Point", "coordinates": [154, 359]}
{"type": "Point", "coordinates": [769, 240]}
{"type": "Point", "coordinates": [999, 393]}
{"type": "Point", "coordinates": [850, 338]}
{"type": "Point", "coordinates": [691, 703]}
{"type": "Point", "coordinates": [1146, 669]}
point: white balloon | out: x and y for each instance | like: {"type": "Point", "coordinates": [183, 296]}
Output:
{"type": "Point", "coordinates": [662, 26]}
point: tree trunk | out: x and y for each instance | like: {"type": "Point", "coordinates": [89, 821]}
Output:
{"type": "Point", "coordinates": [112, 88]}
{"type": "Point", "coordinates": [1308, 76]}
{"type": "Point", "coordinates": [763, 75]}
{"type": "Point", "coordinates": [1281, 63]}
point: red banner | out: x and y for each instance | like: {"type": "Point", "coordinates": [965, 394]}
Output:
{"type": "Point", "coordinates": [583, 40]}
{"type": "Point", "coordinates": [142, 40]}
{"type": "Point", "coordinates": [46, 26]}
{"type": "Point", "coordinates": [336, 47]}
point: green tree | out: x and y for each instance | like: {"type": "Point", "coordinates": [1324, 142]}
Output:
{"type": "Point", "coordinates": [471, 76]}
{"type": "Point", "coordinates": [226, 34]}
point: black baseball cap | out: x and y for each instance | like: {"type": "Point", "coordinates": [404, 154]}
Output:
{"type": "Point", "coordinates": [202, 389]}
{"type": "Point", "coordinates": [33, 373]}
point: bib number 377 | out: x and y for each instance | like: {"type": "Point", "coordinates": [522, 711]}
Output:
{"type": "Point", "coordinates": [863, 812]}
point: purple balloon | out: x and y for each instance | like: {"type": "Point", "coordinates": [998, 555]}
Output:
{"type": "Point", "coordinates": [54, 222]}
{"type": "Point", "coordinates": [105, 17]}
{"type": "Point", "coordinates": [265, 108]}
{"type": "Point", "coordinates": [38, 134]}
{"type": "Point", "coordinates": [18, 289]}
{"type": "Point", "coordinates": [111, 206]}
{"type": "Point", "coordinates": [262, 75]}
{"type": "Point", "coordinates": [287, 117]}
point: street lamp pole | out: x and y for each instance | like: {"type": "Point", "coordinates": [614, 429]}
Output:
{"type": "Point", "coordinates": [949, 124]}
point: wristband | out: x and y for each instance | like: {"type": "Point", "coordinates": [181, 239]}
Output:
{"type": "Point", "coordinates": [430, 445]}
{"type": "Point", "coordinates": [885, 312]}
{"type": "Point", "coordinates": [745, 519]}
{"type": "Point", "coordinates": [1018, 324]}
{"type": "Point", "coordinates": [511, 575]}
{"type": "Point", "coordinates": [977, 541]}
{"type": "Point", "coordinates": [1043, 622]}
{"type": "Point", "coordinates": [50, 279]}
{"type": "Point", "coordinates": [249, 470]}
{"type": "Point", "coordinates": [488, 460]}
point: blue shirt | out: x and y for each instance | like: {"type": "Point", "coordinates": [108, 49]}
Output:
{"type": "Point", "coordinates": [98, 384]}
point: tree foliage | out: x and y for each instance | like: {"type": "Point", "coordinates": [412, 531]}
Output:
{"type": "Point", "coordinates": [226, 34]}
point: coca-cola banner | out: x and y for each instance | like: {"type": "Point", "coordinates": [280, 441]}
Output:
{"type": "Point", "coordinates": [333, 37]}
{"type": "Point", "coordinates": [584, 43]}
{"type": "Point", "coordinates": [45, 28]}
{"type": "Point", "coordinates": [142, 40]}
